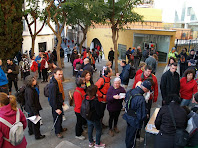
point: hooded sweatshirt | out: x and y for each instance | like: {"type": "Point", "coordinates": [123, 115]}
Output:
{"type": "Point", "coordinates": [8, 114]}
{"type": "Point", "coordinates": [3, 79]}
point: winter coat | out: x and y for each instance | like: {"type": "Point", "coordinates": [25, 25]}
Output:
{"type": "Point", "coordinates": [38, 59]}
{"type": "Point", "coordinates": [89, 68]}
{"type": "Point", "coordinates": [170, 84]}
{"type": "Point", "coordinates": [3, 79]}
{"type": "Point", "coordinates": [164, 123]}
{"type": "Point", "coordinates": [111, 55]}
{"type": "Point", "coordinates": [62, 55]}
{"type": "Point", "coordinates": [43, 62]}
{"type": "Point", "coordinates": [95, 108]}
{"type": "Point", "coordinates": [187, 89]}
{"type": "Point", "coordinates": [114, 104]}
{"type": "Point", "coordinates": [8, 114]}
{"type": "Point", "coordinates": [102, 92]}
{"type": "Point", "coordinates": [151, 61]}
{"type": "Point", "coordinates": [77, 61]}
{"type": "Point", "coordinates": [15, 71]}
{"type": "Point", "coordinates": [124, 76]}
{"type": "Point", "coordinates": [138, 106]}
{"type": "Point", "coordinates": [26, 65]}
{"type": "Point", "coordinates": [34, 66]}
{"type": "Point", "coordinates": [55, 97]}
{"type": "Point", "coordinates": [154, 88]}
{"type": "Point", "coordinates": [78, 98]}
{"type": "Point", "coordinates": [32, 103]}
{"type": "Point", "coordinates": [138, 72]}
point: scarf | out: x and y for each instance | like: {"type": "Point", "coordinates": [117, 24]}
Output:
{"type": "Point", "coordinates": [61, 90]}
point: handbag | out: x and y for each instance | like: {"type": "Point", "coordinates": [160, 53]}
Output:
{"type": "Point", "coordinates": [181, 135]}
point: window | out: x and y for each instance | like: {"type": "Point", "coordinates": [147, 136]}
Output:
{"type": "Point", "coordinates": [42, 46]}
{"type": "Point", "coordinates": [122, 51]}
{"type": "Point", "coordinates": [189, 11]}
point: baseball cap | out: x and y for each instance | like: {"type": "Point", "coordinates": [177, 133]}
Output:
{"type": "Point", "coordinates": [147, 84]}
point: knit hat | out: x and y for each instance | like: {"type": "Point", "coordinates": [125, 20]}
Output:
{"type": "Point", "coordinates": [147, 84]}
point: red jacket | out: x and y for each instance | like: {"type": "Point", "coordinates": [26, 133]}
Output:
{"type": "Point", "coordinates": [34, 66]}
{"type": "Point", "coordinates": [104, 90]}
{"type": "Point", "coordinates": [78, 98]}
{"type": "Point", "coordinates": [76, 61]}
{"type": "Point", "coordinates": [154, 88]}
{"type": "Point", "coordinates": [187, 89]}
{"type": "Point", "coordinates": [138, 72]}
{"type": "Point", "coordinates": [43, 63]}
{"type": "Point", "coordinates": [10, 115]}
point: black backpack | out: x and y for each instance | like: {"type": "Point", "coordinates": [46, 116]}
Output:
{"type": "Point", "coordinates": [46, 90]}
{"type": "Point", "coordinates": [85, 110]}
{"type": "Point", "coordinates": [20, 96]}
{"type": "Point", "coordinates": [128, 100]}
{"type": "Point", "coordinates": [132, 72]}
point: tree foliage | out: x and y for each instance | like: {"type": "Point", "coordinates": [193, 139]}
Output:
{"type": "Point", "coordinates": [119, 14]}
{"type": "Point", "coordinates": [34, 13]}
{"type": "Point", "coordinates": [11, 28]}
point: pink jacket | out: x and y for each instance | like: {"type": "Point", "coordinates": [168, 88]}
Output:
{"type": "Point", "coordinates": [10, 115]}
{"type": "Point", "coordinates": [76, 61]}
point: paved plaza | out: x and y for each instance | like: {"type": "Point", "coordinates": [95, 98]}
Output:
{"type": "Point", "coordinates": [69, 140]}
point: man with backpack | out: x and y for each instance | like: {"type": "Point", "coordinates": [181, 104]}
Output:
{"type": "Point", "coordinates": [135, 111]}
{"type": "Point", "coordinates": [103, 85]}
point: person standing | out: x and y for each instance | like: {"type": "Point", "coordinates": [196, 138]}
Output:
{"type": "Point", "coordinates": [56, 101]}
{"type": "Point", "coordinates": [103, 85]}
{"type": "Point", "coordinates": [124, 76]}
{"type": "Point", "coordinates": [173, 53]}
{"type": "Point", "coordinates": [54, 53]}
{"type": "Point", "coordinates": [151, 61]}
{"type": "Point", "coordinates": [183, 61]}
{"type": "Point", "coordinates": [137, 56]}
{"type": "Point", "coordinates": [38, 61]}
{"type": "Point", "coordinates": [44, 67]}
{"type": "Point", "coordinates": [12, 71]}
{"type": "Point", "coordinates": [62, 56]}
{"type": "Point", "coordinates": [135, 112]}
{"type": "Point", "coordinates": [8, 111]}
{"type": "Point", "coordinates": [188, 87]}
{"type": "Point", "coordinates": [32, 106]}
{"type": "Point", "coordinates": [170, 83]}
{"type": "Point", "coordinates": [111, 56]}
{"type": "Point", "coordinates": [114, 104]}
{"type": "Point", "coordinates": [130, 56]}
{"type": "Point", "coordinates": [25, 66]}
{"type": "Point", "coordinates": [68, 53]}
{"type": "Point", "coordinates": [78, 96]}
{"type": "Point", "coordinates": [3, 80]}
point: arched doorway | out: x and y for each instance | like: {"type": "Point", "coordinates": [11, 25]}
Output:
{"type": "Point", "coordinates": [95, 42]}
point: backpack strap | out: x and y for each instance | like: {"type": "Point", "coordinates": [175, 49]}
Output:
{"type": "Point", "coordinates": [78, 92]}
{"type": "Point", "coordinates": [17, 116]}
{"type": "Point", "coordinates": [103, 85]}
{"type": "Point", "coordinates": [5, 122]}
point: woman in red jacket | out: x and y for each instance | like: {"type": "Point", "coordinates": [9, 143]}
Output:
{"type": "Point", "coordinates": [78, 96]}
{"type": "Point", "coordinates": [188, 87]}
{"type": "Point", "coordinates": [8, 109]}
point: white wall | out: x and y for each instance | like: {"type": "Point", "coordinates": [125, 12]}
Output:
{"type": "Point", "coordinates": [27, 43]}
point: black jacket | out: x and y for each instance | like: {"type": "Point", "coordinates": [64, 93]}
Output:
{"type": "Point", "coordinates": [164, 121]}
{"type": "Point", "coordinates": [170, 84]}
{"type": "Point", "coordinates": [62, 55]}
{"type": "Point", "coordinates": [124, 76]}
{"type": "Point", "coordinates": [15, 71]}
{"type": "Point", "coordinates": [32, 104]}
{"type": "Point", "coordinates": [111, 55]}
{"type": "Point", "coordinates": [55, 97]}
{"type": "Point", "coordinates": [89, 68]}
{"type": "Point", "coordinates": [95, 108]}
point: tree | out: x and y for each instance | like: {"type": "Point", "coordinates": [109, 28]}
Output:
{"type": "Point", "coordinates": [120, 13]}
{"type": "Point", "coordinates": [57, 14]}
{"type": "Point", "coordinates": [11, 28]}
{"type": "Point", "coordinates": [84, 13]}
{"type": "Point", "coordinates": [34, 14]}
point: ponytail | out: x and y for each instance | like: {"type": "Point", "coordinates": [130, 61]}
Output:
{"type": "Point", "coordinates": [5, 100]}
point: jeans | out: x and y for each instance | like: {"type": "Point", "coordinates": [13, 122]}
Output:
{"type": "Point", "coordinates": [80, 122]}
{"type": "Point", "coordinates": [113, 117]}
{"type": "Point", "coordinates": [130, 136]}
{"type": "Point", "coordinates": [98, 127]}
{"type": "Point", "coordinates": [185, 102]}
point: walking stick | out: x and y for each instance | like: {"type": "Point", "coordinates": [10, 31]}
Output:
{"type": "Point", "coordinates": [54, 123]}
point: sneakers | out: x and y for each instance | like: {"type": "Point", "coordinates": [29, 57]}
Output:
{"type": "Point", "coordinates": [100, 146]}
{"type": "Point", "coordinates": [116, 130]}
{"type": "Point", "coordinates": [111, 133]}
{"type": "Point", "coordinates": [80, 137]}
{"type": "Point", "coordinates": [92, 144]}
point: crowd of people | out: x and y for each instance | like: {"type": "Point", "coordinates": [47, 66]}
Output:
{"type": "Point", "coordinates": [91, 99]}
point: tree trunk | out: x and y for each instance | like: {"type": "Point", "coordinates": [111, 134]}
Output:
{"type": "Point", "coordinates": [114, 32]}
{"type": "Point", "coordinates": [58, 50]}
{"type": "Point", "coordinates": [84, 37]}
{"type": "Point", "coordinates": [33, 45]}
